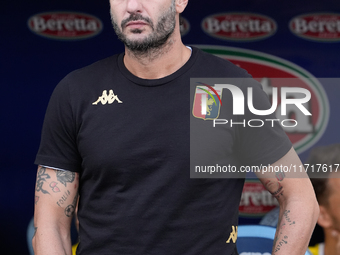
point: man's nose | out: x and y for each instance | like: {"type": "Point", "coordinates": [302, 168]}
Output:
{"type": "Point", "coordinates": [134, 6]}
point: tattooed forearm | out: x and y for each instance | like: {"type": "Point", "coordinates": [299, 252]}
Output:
{"type": "Point", "coordinates": [65, 176]}
{"type": "Point", "coordinates": [41, 178]}
{"type": "Point", "coordinates": [280, 243]}
{"type": "Point", "coordinates": [281, 239]}
{"type": "Point", "coordinates": [287, 217]}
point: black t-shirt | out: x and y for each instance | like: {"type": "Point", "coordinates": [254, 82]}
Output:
{"type": "Point", "coordinates": [129, 140]}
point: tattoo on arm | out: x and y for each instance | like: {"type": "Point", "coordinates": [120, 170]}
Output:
{"type": "Point", "coordinates": [65, 176]}
{"type": "Point", "coordinates": [278, 192]}
{"type": "Point", "coordinates": [63, 199]}
{"type": "Point", "coordinates": [41, 178]}
{"type": "Point", "coordinates": [36, 199]}
{"type": "Point", "coordinates": [54, 187]}
{"type": "Point", "coordinates": [279, 244]}
{"type": "Point", "coordinates": [286, 215]}
{"type": "Point", "coordinates": [275, 188]}
{"type": "Point", "coordinates": [74, 202]}
{"type": "Point", "coordinates": [279, 241]}
{"type": "Point", "coordinates": [69, 210]}
{"type": "Point", "coordinates": [280, 175]}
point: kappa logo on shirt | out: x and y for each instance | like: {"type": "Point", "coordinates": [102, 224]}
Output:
{"type": "Point", "coordinates": [107, 98]}
{"type": "Point", "coordinates": [233, 235]}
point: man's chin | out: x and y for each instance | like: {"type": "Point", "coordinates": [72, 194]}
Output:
{"type": "Point", "coordinates": [136, 31]}
{"type": "Point", "coordinates": [143, 43]}
{"type": "Point", "coordinates": [137, 39]}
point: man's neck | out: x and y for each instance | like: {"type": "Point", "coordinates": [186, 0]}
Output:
{"type": "Point", "coordinates": [160, 62]}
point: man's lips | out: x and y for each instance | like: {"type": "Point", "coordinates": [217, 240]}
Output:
{"type": "Point", "coordinates": [136, 24]}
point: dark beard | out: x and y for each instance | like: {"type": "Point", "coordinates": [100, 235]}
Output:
{"type": "Point", "coordinates": [165, 27]}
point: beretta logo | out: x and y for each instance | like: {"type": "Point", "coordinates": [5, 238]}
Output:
{"type": "Point", "coordinates": [256, 201]}
{"type": "Point", "coordinates": [324, 27]}
{"type": "Point", "coordinates": [239, 26]}
{"type": "Point", "coordinates": [65, 25]}
{"type": "Point", "coordinates": [273, 71]}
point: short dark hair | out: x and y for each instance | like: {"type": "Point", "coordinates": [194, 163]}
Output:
{"type": "Point", "coordinates": [324, 155]}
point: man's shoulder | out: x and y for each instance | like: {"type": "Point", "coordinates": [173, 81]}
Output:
{"type": "Point", "coordinates": [99, 67]}
{"type": "Point", "coordinates": [98, 72]}
{"type": "Point", "coordinates": [219, 66]}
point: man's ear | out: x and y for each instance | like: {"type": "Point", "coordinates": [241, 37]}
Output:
{"type": "Point", "coordinates": [180, 5]}
{"type": "Point", "coordinates": [324, 219]}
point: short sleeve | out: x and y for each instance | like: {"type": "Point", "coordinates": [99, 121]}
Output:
{"type": "Point", "coordinates": [261, 140]}
{"type": "Point", "coordinates": [58, 146]}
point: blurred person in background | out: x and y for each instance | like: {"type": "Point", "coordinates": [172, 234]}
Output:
{"type": "Point", "coordinates": [327, 190]}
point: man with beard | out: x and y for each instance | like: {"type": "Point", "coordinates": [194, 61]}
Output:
{"type": "Point", "coordinates": [118, 133]}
